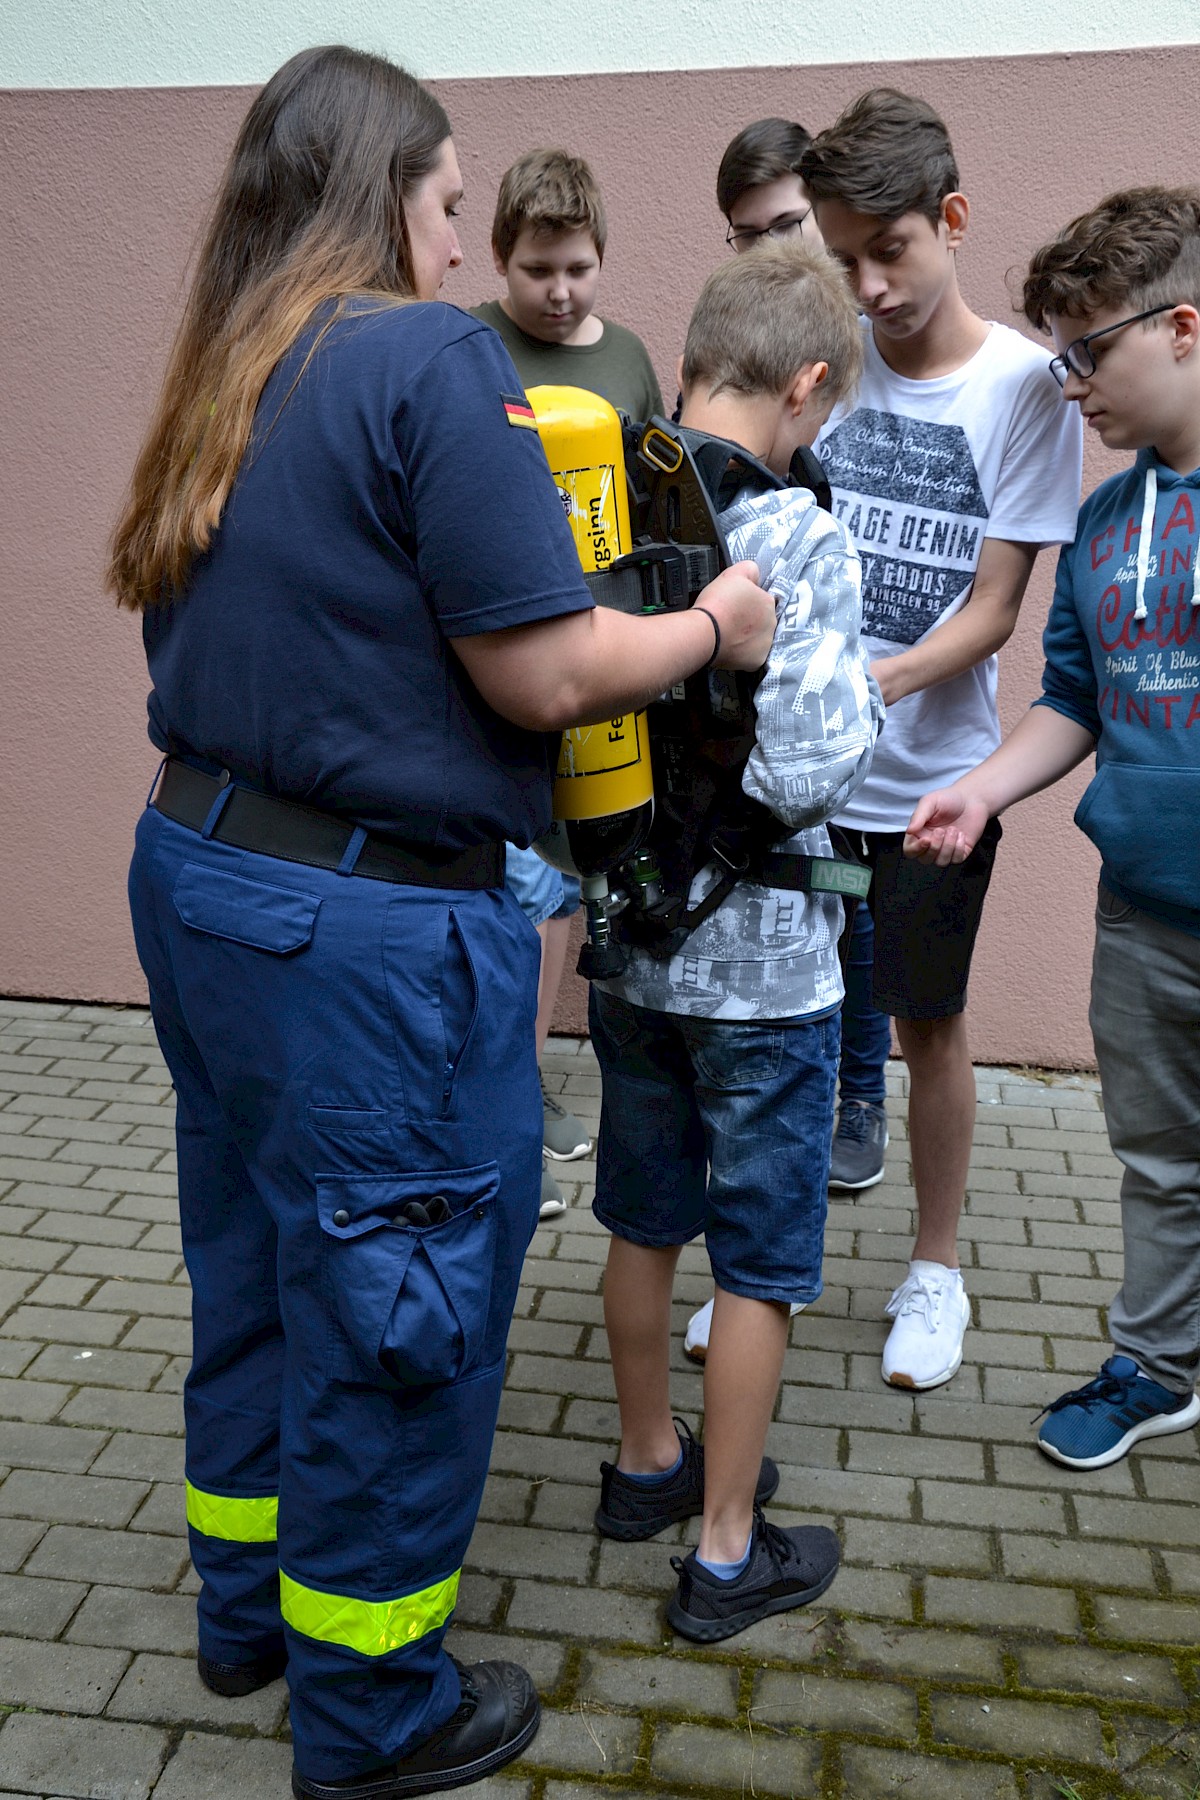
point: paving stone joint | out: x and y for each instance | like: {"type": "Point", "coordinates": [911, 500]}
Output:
{"type": "Point", "coordinates": [1001, 1629]}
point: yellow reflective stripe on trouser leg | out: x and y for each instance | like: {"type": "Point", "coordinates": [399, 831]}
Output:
{"type": "Point", "coordinates": [372, 1627]}
{"type": "Point", "coordinates": [238, 1521]}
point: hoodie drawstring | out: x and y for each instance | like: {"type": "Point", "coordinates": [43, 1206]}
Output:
{"type": "Point", "coordinates": [1149, 504]}
{"type": "Point", "coordinates": [1144, 536]}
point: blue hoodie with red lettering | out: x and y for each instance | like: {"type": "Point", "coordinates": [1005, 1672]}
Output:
{"type": "Point", "coordinates": [1122, 648]}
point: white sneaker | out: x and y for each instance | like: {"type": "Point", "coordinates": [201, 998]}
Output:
{"type": "Point", "coordinates": [932, 1312]}
{"type": "Point", "coordinates": [695, 1338]}
{"type": "Point", "coordinates": [552, 1205]}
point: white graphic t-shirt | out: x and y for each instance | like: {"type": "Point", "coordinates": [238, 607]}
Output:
{"type": "Point", "coordinates": [922, 472]}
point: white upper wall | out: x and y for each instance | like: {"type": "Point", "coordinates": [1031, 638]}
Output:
{"type": "Point", "coordinates": [177, 43]}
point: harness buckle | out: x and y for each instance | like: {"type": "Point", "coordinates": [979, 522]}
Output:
{"type": "Point", "coordinates": [737, 864]}
{"type": "Point", "coordinates": [663, 572]}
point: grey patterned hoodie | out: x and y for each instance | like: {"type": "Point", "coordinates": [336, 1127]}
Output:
{"type": "Point", "coordinates": [767, 953]}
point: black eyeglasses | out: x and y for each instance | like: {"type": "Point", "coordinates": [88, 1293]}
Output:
{"type": "Point", "coordinates": [744, 237]}
{"type": "Point", "coordinates": [1077, 358]}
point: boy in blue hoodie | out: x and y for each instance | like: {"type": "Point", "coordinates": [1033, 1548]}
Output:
{"type": "Point", "coordinates": [1119, 290]}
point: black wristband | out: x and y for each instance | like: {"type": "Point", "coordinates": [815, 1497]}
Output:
{"type": "Point", "coordinates": [716, 649]}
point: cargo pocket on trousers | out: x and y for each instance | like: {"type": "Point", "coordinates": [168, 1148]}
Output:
{"type": "Point", "coordinates": [255, 913]}
{"type": "Point", "coordinates": [408, 1262]}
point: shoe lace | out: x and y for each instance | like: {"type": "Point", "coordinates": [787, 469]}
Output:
{"type": "Point", "coordinates": [918, 1294]}
{"type": "Point", "coordinates": [470, 1695]}
{"type": "Point", "coordinates": [854, 1121]}
{"type": "Point", "coordinates": [685, 1432]}
{"type": "Point", "coordinates": [778, 1545]}
{"type": "Point", "coordinates": [550, 1104]}
{"type": "Point", "coordinates": [1105, 1389]}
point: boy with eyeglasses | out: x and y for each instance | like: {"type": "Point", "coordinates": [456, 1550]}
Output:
{"type": "Point", "coordinates": [1119, 291]}
{"type": "Point", "coordinates": [952, 469]}
{"type": "Point", "coordinates": [764, 201]}
{"type": "Point", "coordinates": [760, 189]}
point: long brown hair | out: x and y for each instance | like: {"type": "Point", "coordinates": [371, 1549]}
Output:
{"type": "Point", "coordinates": [311, 208]}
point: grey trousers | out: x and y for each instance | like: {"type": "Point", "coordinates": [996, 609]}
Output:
{"type": "Point", "coordinates": [1145, 1018]}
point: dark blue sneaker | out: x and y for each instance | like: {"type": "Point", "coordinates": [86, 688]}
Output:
{"type": "Point", "coordinates": [856, 1156]}
{"type": "Point", "coordinates": [1100, 1423]}
{"type": "Point", "coordinates": [633, 1512]}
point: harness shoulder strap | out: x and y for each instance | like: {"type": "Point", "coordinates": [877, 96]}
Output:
{"type": "Point", "coordinates": [680, 480]}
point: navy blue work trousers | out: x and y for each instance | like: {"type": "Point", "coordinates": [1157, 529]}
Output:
{"type": "Point", "coordinates": [359, 1132]}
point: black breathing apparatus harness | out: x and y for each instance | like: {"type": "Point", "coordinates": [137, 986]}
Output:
{"type": "Point", "coordinates": [703, 730]}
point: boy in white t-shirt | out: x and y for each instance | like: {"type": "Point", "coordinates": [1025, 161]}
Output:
{"type": "Point", "coordinates": [955, 464]}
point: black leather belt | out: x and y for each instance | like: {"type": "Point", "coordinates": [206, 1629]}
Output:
{"type": "Point", "coordinates": [300, 834]}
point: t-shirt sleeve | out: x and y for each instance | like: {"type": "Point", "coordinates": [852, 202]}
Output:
{"type": "Point", "coordinates": [1069, 677]}
{"type": "Point", "coordinates": [493, 547]}
{"type": "Point", "coordinates": [1037, 495]}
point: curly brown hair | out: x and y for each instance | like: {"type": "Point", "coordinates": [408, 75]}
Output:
{"type": "Point", "coordinates": [1139, 248]}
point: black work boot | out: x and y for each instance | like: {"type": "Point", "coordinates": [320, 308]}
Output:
{"type": "Point", "coordinates": [497, 1717]}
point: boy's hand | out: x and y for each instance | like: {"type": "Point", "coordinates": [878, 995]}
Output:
{"type": "Point", "coordinates": [945, 827]}
{"type": "Point", "coordinates": [745, 614]}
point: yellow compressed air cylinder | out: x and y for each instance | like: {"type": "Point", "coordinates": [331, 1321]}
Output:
{"type": "Point", "coordinates": [603, 789]}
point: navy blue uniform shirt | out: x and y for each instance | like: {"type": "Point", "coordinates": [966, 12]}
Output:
{"type": "Point", "coordinates": [386, 504]}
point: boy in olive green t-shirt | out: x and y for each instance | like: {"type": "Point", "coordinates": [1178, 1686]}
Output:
{"type": "Point", "coordinates": [548, 240]}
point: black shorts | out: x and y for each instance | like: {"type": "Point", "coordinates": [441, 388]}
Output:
{"type": "Point", "coordinates": [926, 922]}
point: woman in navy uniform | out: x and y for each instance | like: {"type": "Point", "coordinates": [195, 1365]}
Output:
{"type": "Point", "coordinates": [364, 620]}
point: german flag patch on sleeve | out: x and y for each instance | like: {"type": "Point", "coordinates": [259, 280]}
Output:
{"type": "Point", "coordinates": [518, 411]}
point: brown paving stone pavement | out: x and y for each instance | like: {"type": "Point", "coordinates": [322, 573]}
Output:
{"type": "Point", "coordinates": [1001, 1628]}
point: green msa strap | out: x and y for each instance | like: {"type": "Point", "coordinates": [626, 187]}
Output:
{"type": "Point", "coordinates": [828, 875]}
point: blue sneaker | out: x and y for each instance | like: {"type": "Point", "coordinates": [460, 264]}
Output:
{"type": "Point", "coordinates": [1099, 1424]}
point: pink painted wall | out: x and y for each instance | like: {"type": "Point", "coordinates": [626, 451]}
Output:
{"type": "Point", "coordinates": [106, 191]}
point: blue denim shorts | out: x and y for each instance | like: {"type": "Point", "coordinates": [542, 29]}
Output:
{"type": "Point", "coordinates": [535, 886]}
{"type": "Point", "coordinates": [540, 891]}
{"type": "Point", "coordinates": [721, 1127]}
{"type": "Point", "coordinates": [571, 897]}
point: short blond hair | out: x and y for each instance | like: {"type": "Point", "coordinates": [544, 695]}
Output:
{"type": "Point", "coordinates": [550, 191]}
{"type": "Point", "coordinates": [762, 317]}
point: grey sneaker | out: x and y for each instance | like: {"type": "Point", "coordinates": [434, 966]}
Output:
{"type": "Point", "coordinates": [553, 1205]}
{"type": "Point", "coordinates": [563, 1137]}
{"type": "Point", "coordinates": [858, 1146]}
